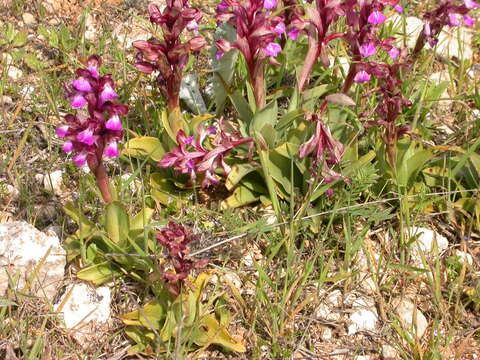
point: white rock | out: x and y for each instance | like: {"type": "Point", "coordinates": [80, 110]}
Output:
{"type": "Point", "coordinates": [327, 333]}
{"type": "Point", "coordinates": [53, 182]}
{"type": "Point", "coordinates": [234, 279]}
{"type": "Point", "coordinates": [10, 191]}
{"type": "Point", "coordinates": [412, 29]}
{"type": "Point", "coordinates": [327, 309]}
{"type": "Point", "coordinates": [21, 248]}
{"type": "Point", "coordinates": [6, 100]}
{"type": "Point", "coordinates": [364, 318]}
{"type": "Point", "coordinates": [453, 44]}
{"type": "Point", "coordinates": [134, 185]}
{"type": "Point", "coordinates": [406, 312]}
{"type": "Point", "coordinates": [248, 259]}
{"type": "Point", "coordinates": [389, 353]}
{"type": "Point", "coordinates": [28, 18]}
{"type": "Point", "coordinates": [427, 238]}
{"type": "Point", "coordinates": [86, 311]}
{"type": "Point", "coordinates": [90, 30]}
{"type": "Point", "coordinates": [39, 178]}
{"type": "Point", "coordinates": [464, 257]}
{"type": "Point", "coordinates": [14, 73]}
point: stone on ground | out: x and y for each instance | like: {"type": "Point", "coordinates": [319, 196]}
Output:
{"type": "Point", "coordinates": [85, 311]}
{"type": "Point", "coordinates": [22, 248]}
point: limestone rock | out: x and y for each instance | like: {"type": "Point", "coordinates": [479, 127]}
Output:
{"type": "Point", "coordinates": [426, 240]}
{"type": "Point", "coordinates": [22, 247]}
{"type": "Point", "coordinates": [464, 258]}
{"type": "Point", "coordinates": [364, 317]}
{"type": "Point", "coordinates": [389, 353]}
{"type": "Point", "coordinates": [14, 73]}
{"type": "Point", "coordinates": [85, 311]}
{"type": "Point", "coordinates": [407, 312]}
{"type": "Point", "coordinates": [327, 309]}
{"type": "Point", "coordinates": [53, 182]}
{"type": "Point", "coordinates": [28, 18]}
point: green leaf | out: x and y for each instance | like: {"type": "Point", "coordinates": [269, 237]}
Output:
{"type": "Point", "coordinates": [211, 332]}
{"type": "Point", "coordinates": [99, 273]}
{"type": "Point", "coordinates": [410, 166]}
{"type": "Point", "coordinates": [241, 106]}
{"type": "Point", "coordinates": [241, 196]}
{"type": "Point", "coordinates": [6, 302]}
{"type": "Point", "coordinates": [264, 122]}
{"type": "Point", "coordinates": [151, 315]}
{"type": "Point", "coordinates": [165, 192]}
{"type": "Point", "coordinates": [84, 224]}
{"type": "Point", "coordinates": [139, 221]}
{"type": "Point", "coordinates": [20, 39]}
{"type": "Point", "coordinates": [238, 172]}
{"type": "Point", "coordinates": [223, 68]}
{"type": "Point", "coordinates": [117, 223]}
{"type": "Point", "coordinates": [144, 146]}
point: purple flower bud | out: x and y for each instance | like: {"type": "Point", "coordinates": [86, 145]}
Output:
{"type": "Point", "coordinates": [192, 25]}
{"type": "Point", "coordinates": [86, 137]}
{"type": "Point", "coordinates": [398, 8]}
{"type": "Point", "coordinates": [272, 49]}
{"type": "Point", "coordinates": [367, 50]}
{"type": "Point", "coordinates": [280, 28]}
{"type": "Point", "coordinates": [453, 19]}
{"type": "Point", "coordinates": [427, 30]}
{"type": "Point", "coordinates": [189, 140]}
{"type": "Point", "coordinates": [112, 150]}
{"type": "Point", "coordinates": [393, 52]}
{"type": "Point", "coordinates": [471, 4]}
{"type": "Point", "coordinates": [114, 123]}
{"type": "Point", "coordinates": [78, 101]}
{"type": "Point", "coordinates": [219, 54]}
{"type": "Point", "coordinates": [61, 131]}
{"type": "Point", "coordinates": [376, 17]}
{"type": "Point", "coordinates": [80, 159]}
{"type": "Point", "coordinates": [361, 77]}
{"type": "Point", "coordinates": [468, 20]}
{"type": "Point", "coordinates": [190, 164]}
{"type": "Point", "coordinates": [222, 6]}
{"type": "Point", "coordinates": [329, 193]}
{"type": "Point", "coordinates": [270, 4]}
{"type": "Point", "coordinates": [294, 33]}
{"type": "Point", "coordinates": [107, 93]}
{"type": "Point", "coordinates": [67, 146]}
{"type": "Point", "coordinates": [82, 84]}
{"type": "Point", "coordinates": [211, 130]}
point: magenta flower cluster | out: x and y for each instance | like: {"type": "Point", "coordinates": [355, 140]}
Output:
{"type": "Point", "coordinates": [95, 132]}
{"type": "Point", "coordinates": [448, 13]}
{"type": "Point", "coordinates": [193, 158]}
{"type": "Point", "coordinates": [169, 56]}
{"type": "Point", "coordinates": [324, 150]}
{"type": "Point", "coordinates": [175, 238]}
{"type": "Point", "coordinates": [363, 19]}
{"type": "Point", "coordinates": [257, 30]}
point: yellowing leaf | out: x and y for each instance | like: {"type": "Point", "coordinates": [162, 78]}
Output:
{"type": "Point", "coordinates": [144, 146]}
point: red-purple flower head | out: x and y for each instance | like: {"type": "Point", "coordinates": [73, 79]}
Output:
{"type": "Point", "coordinates": [94, 132]}
{"type": "Point", "coordinates": [175, 238]}
{"type": "Point", "coordinates": [169, 56]}
{"type": "Point", "coordinates": [257, 30]}
{"type": "Point", "coordinates": [448, 13]}
{"type": "Point", "coordinates": [193, 157]}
